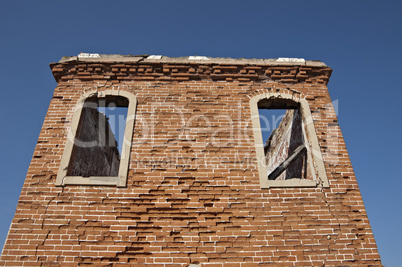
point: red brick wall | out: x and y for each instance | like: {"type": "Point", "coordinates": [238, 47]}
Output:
{"type": "Point", "coordinates": [193, 193]}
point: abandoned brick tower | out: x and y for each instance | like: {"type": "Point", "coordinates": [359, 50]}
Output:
{"type": "Point", "coordinates": [191, 161]}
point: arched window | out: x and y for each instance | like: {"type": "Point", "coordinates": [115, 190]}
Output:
{"type": "Point", "coordinates": [286, 144]}
{"type": "Point", "coordinates": [98, 145]}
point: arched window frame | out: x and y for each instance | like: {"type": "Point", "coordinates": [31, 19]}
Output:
{"type": "Point", "coordinates": [313, 148]}
{"type": "Point", "coordinates": [121, 180]}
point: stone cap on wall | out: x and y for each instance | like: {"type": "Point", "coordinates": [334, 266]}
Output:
{"type": "Point", "coordinates": [88, 67]}
{"type": "Point", "coordinates": [282, 61]}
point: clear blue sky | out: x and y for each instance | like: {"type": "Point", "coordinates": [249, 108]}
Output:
{"type": "Point", "coordinates": [360, 40]}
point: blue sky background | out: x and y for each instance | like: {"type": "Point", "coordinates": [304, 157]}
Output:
{"type": "Point", "coordinates": [360, 40]}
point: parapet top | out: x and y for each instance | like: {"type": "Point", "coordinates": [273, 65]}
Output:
{"type": "Point", "coordinates": [88, 57]}
{"type": "Point", "coordinates": [91, 67]}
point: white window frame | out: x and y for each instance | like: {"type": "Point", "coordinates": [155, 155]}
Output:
{"type": "Point", "coordinates": [312, 145]}
{"type": "Point", "coordinates": [121, 180]}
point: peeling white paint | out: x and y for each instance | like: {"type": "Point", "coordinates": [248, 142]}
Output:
{"type": "Point", "coordinates": [290, 59]}
{"type": "Point", "coordinates": [88, 55]}
{"type": "Point", "coordinates": [198, 58]}
{"type": "Point", "coordinates": [154, 57]}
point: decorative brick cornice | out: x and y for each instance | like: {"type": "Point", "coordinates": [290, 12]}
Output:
{"type": "Point", "coordinates": [183, 71]}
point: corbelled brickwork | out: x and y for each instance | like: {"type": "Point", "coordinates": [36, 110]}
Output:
{"type": "Point", "coordinates": [193, 193]}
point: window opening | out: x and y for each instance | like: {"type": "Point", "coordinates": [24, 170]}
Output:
{"type": "Point", "coordinates": [97, 149]}
{"type": "Point", "coordinates": [117, 121]}
{"type": "Point", "coordinates": [99, 137]}
{"type": "Point", "coordinates": [284, 143]}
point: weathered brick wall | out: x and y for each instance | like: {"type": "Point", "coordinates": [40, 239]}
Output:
{"type": "Point", "coordinates": [193, 193]}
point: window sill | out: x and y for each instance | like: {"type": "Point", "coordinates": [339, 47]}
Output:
{"type": "Point", "coordinates": [291, 183]}
{"type": "Point", "coordinates": [92, 180]}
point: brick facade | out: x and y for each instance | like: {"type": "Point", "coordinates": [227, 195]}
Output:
{"type": "Point", "coordinates": [193, 194]}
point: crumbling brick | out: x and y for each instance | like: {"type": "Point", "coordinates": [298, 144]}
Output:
{"type": "Point", "coordinates": [193, 194]}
